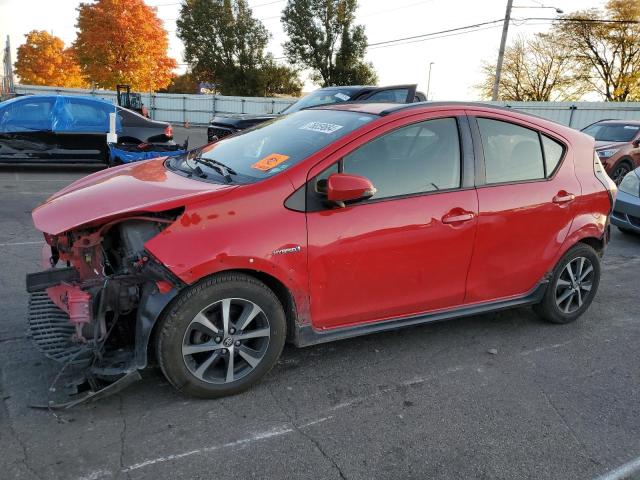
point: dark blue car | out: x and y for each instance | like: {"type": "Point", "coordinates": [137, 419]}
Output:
{"type": "Point", "coordinates": [626, 211]}
{"type": "Point", "coordinates": [65, 128]}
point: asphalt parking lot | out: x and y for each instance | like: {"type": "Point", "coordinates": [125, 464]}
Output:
{"type": "Point", "coordinates": [554, 402]}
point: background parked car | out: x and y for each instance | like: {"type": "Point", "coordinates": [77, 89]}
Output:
{"type": "Point", "coordinates": [617, 146]}
{"type": "Point", "coordinates": [223, 125]}
{"type": "Point", "coordinates": [626, 212]}
{"type": "Point", "coordinates": [61, 128]}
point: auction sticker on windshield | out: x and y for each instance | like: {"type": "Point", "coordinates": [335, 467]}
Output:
{"type": "Point", "coordinates": [270, 161]}
{"type": "Point", "coordinates": [321, 127]}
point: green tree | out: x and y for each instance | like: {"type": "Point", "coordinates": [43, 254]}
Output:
{"type": "Point", "coordinates": [224, 44]}
{"type": "Point", "coordinates": [324, 39]}
{"type": "Point", "coordinates": [185, 83]}
{"type": "Point", "coordinates": [608, 53]}
{"type": "Point", "coordinates": [279, 79]}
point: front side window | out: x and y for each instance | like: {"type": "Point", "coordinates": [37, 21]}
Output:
{"type": "Point", "coordinates": [26, 115]}
{"type": "Point", "coordinates": [511, 153]}
{"type": "Point", "coordinates": [422, 157]}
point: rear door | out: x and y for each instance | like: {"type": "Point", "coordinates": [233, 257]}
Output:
{"type": "Point", "coordinates": [407, 249]}
{"type": "Point", "coordinates": [81, 126]}
{"type": "Point", "coordinates": [527, 190]}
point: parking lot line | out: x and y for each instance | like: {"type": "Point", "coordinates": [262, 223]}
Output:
{"type": "Point", "coordinates": [17, 244]}
{"type": "Point", "coordinates": [278, 431]}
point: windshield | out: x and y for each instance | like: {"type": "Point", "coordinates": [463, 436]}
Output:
{"type": "Point", "coordinates": [325, 96]}
{"type": "Point", "coordinates": [612, 132]}
{"type": "Point", "coordinates": [270, 147]}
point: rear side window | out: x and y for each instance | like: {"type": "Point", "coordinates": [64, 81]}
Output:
{"type": "Point", "coordinates": [511, 153]}
{"type": "Point", "coordinates": [423, 157]}
{"type": "Point", "coordinates": [399, 95]}
{"type": "Point", "coordinates": [552, 154]}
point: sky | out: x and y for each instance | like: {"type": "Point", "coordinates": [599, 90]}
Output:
{"type": "Point", "coordinates": [456, 58]}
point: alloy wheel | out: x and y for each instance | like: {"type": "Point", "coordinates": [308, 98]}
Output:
{"type": "Point", "coordinates": [574, 284]}
{"type": "Point", "coordinates": [226, 340]}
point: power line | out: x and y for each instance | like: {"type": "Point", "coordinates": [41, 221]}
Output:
{"type": "Point", "coordinates": [438, 36]}
{"type": "Point", "coordinates": [466, 27]}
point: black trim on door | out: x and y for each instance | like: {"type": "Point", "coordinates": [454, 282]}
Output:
{"type": "Point", "coordinates": [306, 335]}
{"type": "Point", "coordinates": [467, 151]}
{"type": "Point", "coordinates": [480, 173]}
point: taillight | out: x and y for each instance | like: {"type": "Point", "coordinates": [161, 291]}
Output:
{"type": "Point", "coordinates": [168, 131]}
{"type": "Point", "coordinates": [604, 179]}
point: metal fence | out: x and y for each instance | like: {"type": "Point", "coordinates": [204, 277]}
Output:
{"type": "Point", "coordinates": [199, 109]}
{"type": "Point", "coordinates": [578, 114]}
{"type": "Point", "coordinates": [179, 108]}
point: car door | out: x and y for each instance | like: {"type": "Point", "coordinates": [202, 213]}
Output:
{"type": "Point", "coordinates": [406, 250]}
{"type": "Point", "coordinates": [81, 125]}
{"type": "Point", "coordinates": [526, 193]}
{"type": "Point", "coordinates": [25, 129]}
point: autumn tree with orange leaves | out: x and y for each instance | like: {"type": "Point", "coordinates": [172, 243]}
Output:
{"type": "Point", "coordinates": [43, 60]}
{"type": "Point", "coordinates": [123, 41]}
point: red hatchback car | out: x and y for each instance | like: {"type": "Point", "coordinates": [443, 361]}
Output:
{"type": "Point", "coordinates": [324, 224]}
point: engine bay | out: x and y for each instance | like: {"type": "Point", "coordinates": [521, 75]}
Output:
{"type": "Point", "coordinates": [86, 311]}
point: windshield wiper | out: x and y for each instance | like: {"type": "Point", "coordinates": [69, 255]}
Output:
{"type": "Point", "coordinates": [220, 167]}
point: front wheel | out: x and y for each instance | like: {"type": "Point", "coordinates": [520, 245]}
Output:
{"type": "Point", "coordinates": [572, 287]}
{"type": "Point", "coordinates": [221, 336]}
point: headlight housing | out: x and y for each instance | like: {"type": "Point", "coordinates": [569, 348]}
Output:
{"type": "Point", "coordinates": [630, 184]}
{"type": "Point", "coordinates": [609, 152]}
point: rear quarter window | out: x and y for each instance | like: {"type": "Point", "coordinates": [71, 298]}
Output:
{"type": "Point", "coordinates": [552, 154]}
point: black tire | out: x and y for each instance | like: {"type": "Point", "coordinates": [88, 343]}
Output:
{"type": "Point", "coordinates": [548, 308]}
{"type": "Point", "coordinates": [619, 171]}
{"type": "Point", "coordinates": [177, 326]}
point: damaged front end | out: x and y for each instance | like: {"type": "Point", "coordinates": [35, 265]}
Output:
{"type": "Point", "coordinates": [94, 309]}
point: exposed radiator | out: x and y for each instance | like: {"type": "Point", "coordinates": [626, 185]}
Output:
{"type": "Point", "coordinates": [50, 329]}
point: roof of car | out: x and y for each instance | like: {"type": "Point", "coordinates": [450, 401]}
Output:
{"type": "Point", "coordinates": [54, 97]}
{"type": "Point", "coordinates": [621, 120]}
{"type": "Point", "coordinates": [383, 109]}
{"type": "Point", "coordinates": [347, 87]}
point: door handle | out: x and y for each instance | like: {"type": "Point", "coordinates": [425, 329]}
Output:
{"type": "Point", "coordinates": [564, 197]}
{"type": "Point", "coordinates": [457, 217]}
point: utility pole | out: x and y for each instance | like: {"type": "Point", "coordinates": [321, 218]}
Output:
{"type": "Point", "coordinates": [429, 80]}
{"type": "Point", "coordinates": [503, 42]}
{"type": "Point", "coordinates": [7, 86]}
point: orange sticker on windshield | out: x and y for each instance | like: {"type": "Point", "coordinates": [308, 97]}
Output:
{"type": "Point", "coordinates": [267, 163]}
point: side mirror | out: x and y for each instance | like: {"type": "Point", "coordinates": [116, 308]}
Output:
{"type": "Point", "coordinates": [344, 187]}
{"type": "Point", "coordinates": [636, 143]}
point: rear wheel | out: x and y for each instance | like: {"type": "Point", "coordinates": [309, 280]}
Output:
{"type": "Point", "coordinates": [221, 336]}
{"type": "Point", "coordinates": [573, 285]}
